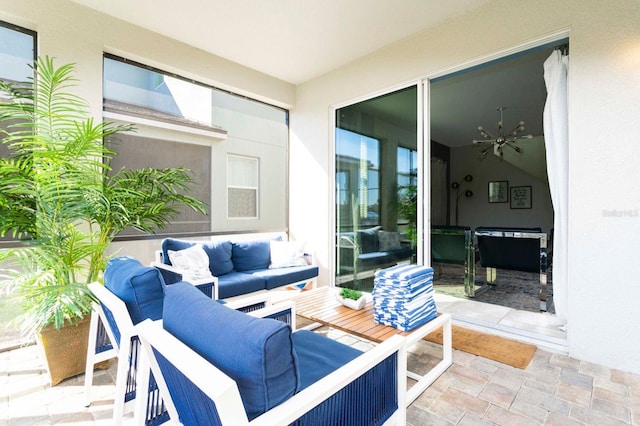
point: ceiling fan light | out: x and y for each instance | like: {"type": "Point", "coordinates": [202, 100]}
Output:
{"type": "Point", "coordinates": [501, 139]}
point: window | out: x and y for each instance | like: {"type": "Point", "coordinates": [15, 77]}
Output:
{"type": "Point", "coordinates": [407, 179]}
{"type": "Point", "coordinates": [17, 55]}
{"type": "Point", "coordinates": [17, 52]}
{"type": "Point", "coordinates": [357, 179]}
{"type": "Point", "coordinates": [242, 187]}
{"type": "Point", "coordinates": [225, 139]}
{"type": "Point", "coordinates": [407, 167]}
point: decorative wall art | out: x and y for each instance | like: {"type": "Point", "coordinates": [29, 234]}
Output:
{"type": "Point", "coordinates": [499, 191]}
{"type": "Point", "coordinates": [520, 197]}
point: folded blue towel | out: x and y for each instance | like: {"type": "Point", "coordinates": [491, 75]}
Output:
{"type": "Point", "coordinates": [404, 272]}
{"type": "Point", "coordinates": [403, 296]}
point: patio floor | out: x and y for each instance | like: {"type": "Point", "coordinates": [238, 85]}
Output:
{"type": "Point", "coordinates": [552, 390]}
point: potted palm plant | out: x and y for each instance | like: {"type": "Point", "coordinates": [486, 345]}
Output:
{"type": "Point", "coordinates": [60, 198]}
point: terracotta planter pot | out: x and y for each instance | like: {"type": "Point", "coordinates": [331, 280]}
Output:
{"type": "Point", "coordinates": [65, 350]}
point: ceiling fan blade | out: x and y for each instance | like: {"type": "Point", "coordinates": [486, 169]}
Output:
{"type": "Point", "coordinates": [478, 142]}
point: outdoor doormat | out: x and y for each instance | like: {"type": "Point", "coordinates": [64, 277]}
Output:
{"type": "Point", "coordinates": [506, 351]}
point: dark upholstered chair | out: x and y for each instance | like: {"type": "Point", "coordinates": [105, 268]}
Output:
{"type": "Point", "coordinates": [518, 249]}
{"type": "Point", "coordinates": [454, 245]}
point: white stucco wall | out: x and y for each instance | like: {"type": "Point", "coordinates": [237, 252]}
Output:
{"type": "Point", "coordinates": [604, 106]}
{"type": "Point", "coordinates": [477, 211]}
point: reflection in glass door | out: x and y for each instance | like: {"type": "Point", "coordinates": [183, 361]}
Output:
{"type": "Point", "coordinates": [376, 186]}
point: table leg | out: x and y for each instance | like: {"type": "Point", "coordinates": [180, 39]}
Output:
{"type": "Point", "coordinates": [424, 381]}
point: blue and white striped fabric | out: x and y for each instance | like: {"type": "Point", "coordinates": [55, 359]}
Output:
{"type": "Point", "coordinates": [403, 296]}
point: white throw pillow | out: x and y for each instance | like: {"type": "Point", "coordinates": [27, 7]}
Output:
{"type": "Point", "coordinates": [192, 263]}
{"type": "Point", "coordinates": [285, 254]}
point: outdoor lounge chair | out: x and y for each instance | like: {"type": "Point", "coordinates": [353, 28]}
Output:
{"type": "Point", "coordinates": [241, 370]}
{"type": "Point", "coordinates": [135, 292]}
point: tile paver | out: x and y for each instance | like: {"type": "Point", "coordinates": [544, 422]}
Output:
{"type": "Point", "coordinates": [552, 390]}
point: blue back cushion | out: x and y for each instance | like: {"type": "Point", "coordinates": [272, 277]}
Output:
{"type": "Point", "coordinates": [367, 239]}
{"type": "Point", "coordinates": [173, 245]}
{"type": "Point", "coordinates": [251, 255]}
{"type": "Point", "coordinates": [256, 353]}
{"type": "Point", "coordinates": [219, 253]}
{"type": "Point", "coordinates": [140, 287]}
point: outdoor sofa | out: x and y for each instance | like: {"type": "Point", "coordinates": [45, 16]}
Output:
{"type": "Point", "coordinates": [235, 268]}
{"type": "Point", "coordinates": [371, 249]}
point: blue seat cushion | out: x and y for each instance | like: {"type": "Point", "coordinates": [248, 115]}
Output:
{"type": "Point", "coordinates": [257, 353]}
{"type": "Point", "coordinates": [219, 253]}
{"type": "Point", "coordinates": [251, 255]}
{"type": "Point", "coordinates": [237, 283]}
{"type": "Point", "coordinates": [319, 355]}
{"type": "Point", "coordinates": [282, 276]}
{"type": "Point", "coordinates": [140, 287]}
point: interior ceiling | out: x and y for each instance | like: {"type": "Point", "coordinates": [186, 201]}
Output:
{"type": "Point", "coordinates": [297, 40]}
{"type": "Point", "coordinates": [462, 102]}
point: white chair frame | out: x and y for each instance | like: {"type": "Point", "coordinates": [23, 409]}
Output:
{"type": "Point", "coordinates": [127, 331]}
{"type": "Point", "coordinates": [259, 303]}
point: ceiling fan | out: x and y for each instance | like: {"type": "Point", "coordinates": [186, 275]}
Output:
{"type": "Point", "coordinates": [502, 140]}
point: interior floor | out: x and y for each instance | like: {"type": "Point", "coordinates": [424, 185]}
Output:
{"type": "Point", "coordinates": [539, 328]}
{"type": "Point", "coordinates": [511, 307]}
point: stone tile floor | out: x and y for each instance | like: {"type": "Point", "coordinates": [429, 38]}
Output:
{"type": "Point", "coordinates": [552, 390]}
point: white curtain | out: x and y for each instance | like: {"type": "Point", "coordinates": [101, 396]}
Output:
{"type": "Point", "coordinates": [556, 135]}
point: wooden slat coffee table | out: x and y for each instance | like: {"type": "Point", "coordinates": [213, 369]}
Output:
{"type": "Point", "coordinates": [321, 306]}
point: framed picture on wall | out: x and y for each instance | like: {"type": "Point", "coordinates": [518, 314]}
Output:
{"type": "Point", "coordinates": [520, 197]}
{"type": "Point", "coordinates": [499, 191]}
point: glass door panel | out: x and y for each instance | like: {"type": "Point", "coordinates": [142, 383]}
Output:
{"type": "Point", "coordinates": [376, 186]}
